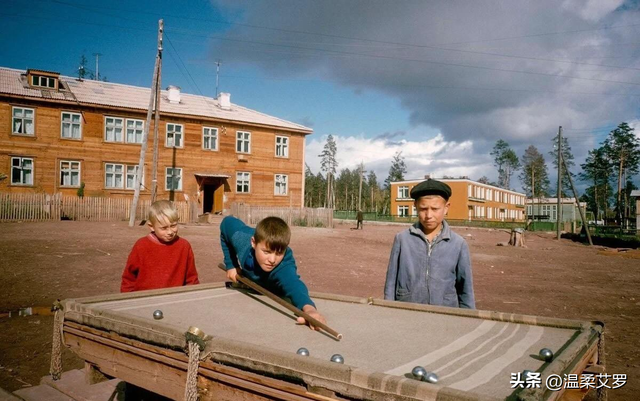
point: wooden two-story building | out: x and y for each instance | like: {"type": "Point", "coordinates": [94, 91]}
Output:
{"type": "Point", "coordinates": [58, 134]}
{"type": "Point", "coordinates": [470, 200]}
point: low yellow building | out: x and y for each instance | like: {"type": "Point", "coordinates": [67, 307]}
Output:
{"type": "Point", "coordinates": [470, 200]}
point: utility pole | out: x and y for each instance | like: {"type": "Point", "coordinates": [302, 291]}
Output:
{"type": "Point", "coordinates": [97, 77]}
{"type": "Point", "coordinates": [559, 193]}
{"type": "Point", "coordinates": [145, 135]}
{"type": "Point", "coordinates": [575, 195]}
{"type": "Point", "coordinates": [533, 191]}
{"type": "Point", "coordinates": [156, 122]}
{"type": "Point", "coordinates": [360, 190]}
{"type": "Point", "coordinates": [218, 62]}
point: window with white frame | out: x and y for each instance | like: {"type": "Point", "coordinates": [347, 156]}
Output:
{"type": "Point", "coordinates": [21, 171]}
{"type": "Point", "coordinates": [173, 180]}
{"type": "Point", "coordinates": [469, 190]}
{"type": "Point", "coordinates": [243, 182]}
{"type": "Point", "coordinates": [209, 138]}
{"type": "Point", "coordinates": [71, 127]}
{"type": "Point", "coordinates": [282, 146]}
{"type": "Point", "coordinates": [22, 120]}
{"type": "Point", "coordinates": [414, 212]}
{"type": "Point", "coordinates": [130, 182]}
{"type": "Point", "coordinates": [113, 175]}
{"type": "Point", "coordinates": [281, 184]}
{"type": "Point", "coordinates": [403, 210]}
{"type": "Point", "coordinates": [174, 136]}
{"type": "Point", "coordinates": [69, 173]}
{"type": "Point", "coordinates": [120, 176]}
{"type": "Point", "coordinates": [46, 82]}
{"type": "Point", "coordinates": [403, 192]}
{"type": "Point", "coordinates": [113, 128]}
{"type": "Point", "coordinates": [135, 130]}
{"type": "Point", "coordinates": [243, 142]}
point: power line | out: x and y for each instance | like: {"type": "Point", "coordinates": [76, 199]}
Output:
{"type": "Point", "coordinates": [183, 64]}
{"type": "Point", "coordinates": [217, 21]}
{"type": "Point", "coordinates": [421, 61]}
{"type": "Point", "coordinates": [376, 56]}
{"type": "Point", "coordinates": [403, 44]}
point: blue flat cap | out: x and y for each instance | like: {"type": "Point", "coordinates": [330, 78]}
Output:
{"type": "Point", "coordinates": [431, 187]}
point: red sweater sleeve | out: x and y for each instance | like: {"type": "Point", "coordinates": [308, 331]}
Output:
{"type": "Point", "coordinates": [192, 273]}
{"type": "Point", "coordinates": [130, 273]}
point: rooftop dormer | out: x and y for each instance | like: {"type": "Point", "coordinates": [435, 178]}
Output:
{"type": "Point", "coordinates": [43, 79]}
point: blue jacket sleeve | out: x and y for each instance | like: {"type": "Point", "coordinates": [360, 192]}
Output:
{"type": "Point", "coordinates": [286, 278]}
{"type": "Point", "coordinates": [228, 227]}
{"type": "Point", "coordinates": [392, 271]}
{"type": "Point", "coordinates": [464, 279]}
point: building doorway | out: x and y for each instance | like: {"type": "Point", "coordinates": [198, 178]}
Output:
{"type": "Point", "coordinates": [212, 187]}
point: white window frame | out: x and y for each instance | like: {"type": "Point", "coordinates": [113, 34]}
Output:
{"type": "Point", "coordinates": [113, 125]}
{"type": "Point", "coordinates": [171, 130]}
{"type": "Point", "coordinates": [136, 129]}
{"type": "Point", "coordinates": [70, 123]}
{"type": "Point", "coordinates": [282, 146]}
{"type": "Point", "coordinates": [68, 171]}
{"type": "Point", "coordinates": [283, 181]}
{"type": "Point", "coordinates": [40, 78]}
{"type": "Point", "coordinates": [169, 173]}
{"type": "Point", "coordinates": [403, 211]}
{"type": "Point", "coordinates": [22, 118]}
{"type": "Point", "coordinates": [243, 178]}
{"type": "Point", "coordinates": [403, 192]}
{"type": "Point", "coordinates": [113, 171]}
{"type": "Point", "coordinates": [132, 174]}
{"type": "Point", "coordinates": [22, 169]}
{"type": "Point", "coordinates": [210, 135]}
{"type": "Point", "coordinates": [243, 138]}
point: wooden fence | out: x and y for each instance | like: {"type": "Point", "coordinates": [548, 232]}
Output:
{"type": "Point", "coordinates": [307, 217]}
{"type": "Point", "coordinates": [45, 207]}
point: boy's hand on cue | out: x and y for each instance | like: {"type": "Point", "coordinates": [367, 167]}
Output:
{"type": "Point", "coordinates": [232, 275]}
{"type": "Point", "coordinates": [313, 312]}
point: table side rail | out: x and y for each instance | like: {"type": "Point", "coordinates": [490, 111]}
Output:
{"type": "Point", "coordinates": [472, 313]}
{"type": "Point", "coordinates": [574, 359]}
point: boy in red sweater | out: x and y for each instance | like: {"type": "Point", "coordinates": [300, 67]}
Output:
{"type": "Point", "coordinates": [161, 259]}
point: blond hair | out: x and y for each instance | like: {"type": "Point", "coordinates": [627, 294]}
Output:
{"type": "Point", "coordinates": [163, 208]}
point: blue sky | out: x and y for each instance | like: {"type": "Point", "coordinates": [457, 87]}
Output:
{"type": "Point", "coordinates": [439, 81]}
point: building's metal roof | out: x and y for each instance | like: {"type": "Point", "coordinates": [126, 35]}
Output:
{"type": "Point", "coordinates": [89, 92]}
{"type": "Point", "coordinates": [636, 193]}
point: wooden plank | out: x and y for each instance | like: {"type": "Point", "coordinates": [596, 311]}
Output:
{"type": "Point", "coordinates": [125, 358]}
{"type": "Point", "coordinates": [41, 392]}
{"type": "Point", "coordinates": [578, 367]}
{"type": "Point", "coordinates": [74, 384]}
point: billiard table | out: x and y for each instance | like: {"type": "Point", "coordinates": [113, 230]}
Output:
{"type": "Point", "coordinates": [248, 346]}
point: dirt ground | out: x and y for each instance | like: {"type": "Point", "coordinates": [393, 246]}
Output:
{"type": "Point", "coordinates": [41, 262]}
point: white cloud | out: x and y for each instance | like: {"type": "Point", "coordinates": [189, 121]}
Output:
{"type": "Point", "coordinates": [434, 156]}
{"type": "Point", "coordinates": [513, 72]}
{"type": "Point", "coordinates": [592, 10]}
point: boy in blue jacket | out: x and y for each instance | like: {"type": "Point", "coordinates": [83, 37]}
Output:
{"type": "Point", "coordinates": [264, 256]}
{"type": "Point", "coordinates": [429, 263]}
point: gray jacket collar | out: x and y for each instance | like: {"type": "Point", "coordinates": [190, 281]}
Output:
{"type": "Point", "coordinates": [445, 234]}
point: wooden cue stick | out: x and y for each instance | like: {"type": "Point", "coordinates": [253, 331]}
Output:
{"type": "Point", "coordinates": [313, 321]}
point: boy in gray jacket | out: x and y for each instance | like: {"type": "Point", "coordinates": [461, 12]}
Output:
{"type": "Point", "coordinates": [429, 263]}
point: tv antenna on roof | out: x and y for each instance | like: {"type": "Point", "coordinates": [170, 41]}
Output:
{"type": "Point", "coordinates": [217, 63]}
